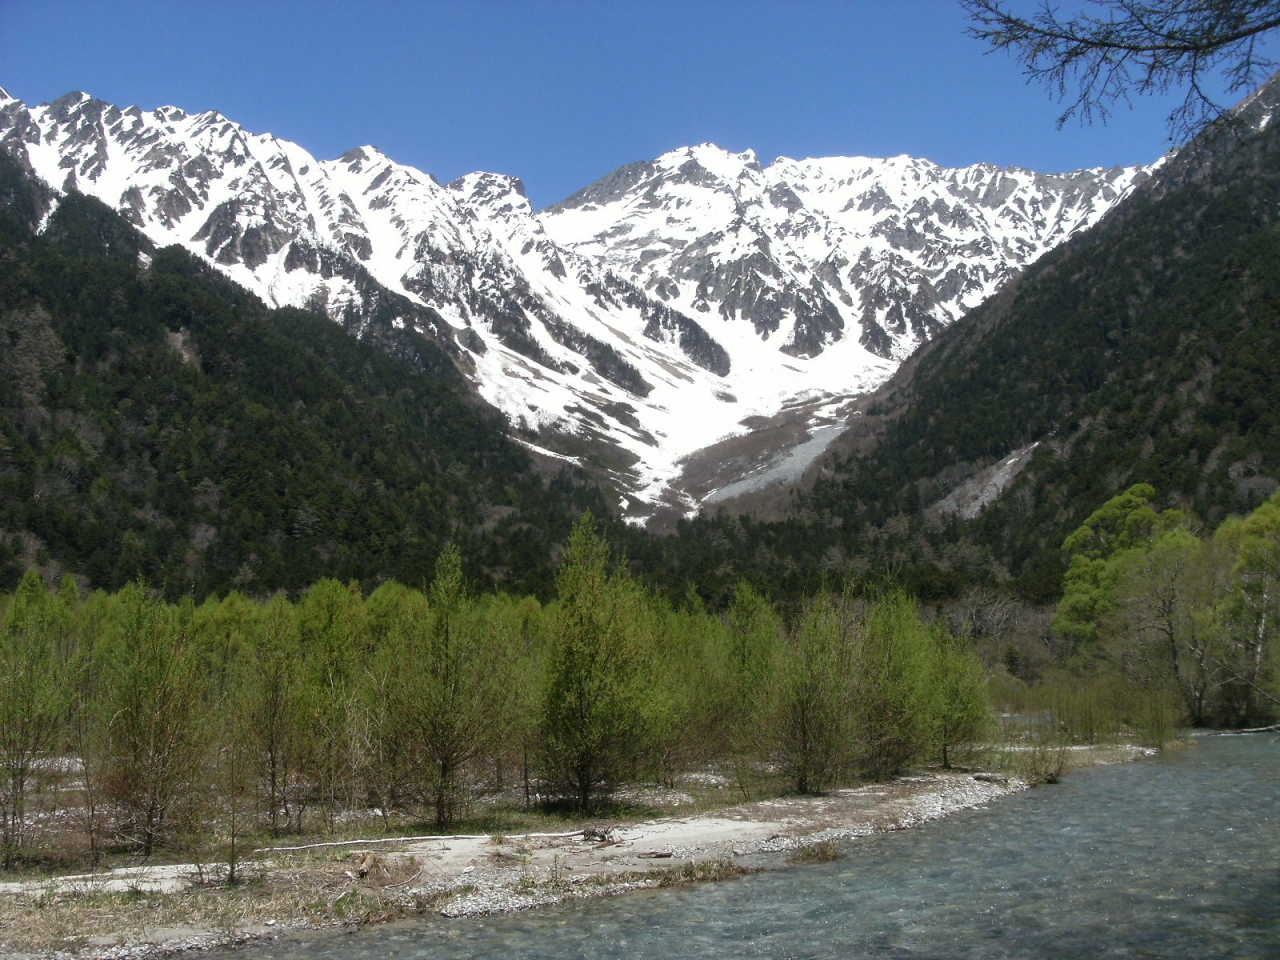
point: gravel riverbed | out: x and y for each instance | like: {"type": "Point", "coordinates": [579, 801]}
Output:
{"type": "Point", "coordinates": [164, 911]}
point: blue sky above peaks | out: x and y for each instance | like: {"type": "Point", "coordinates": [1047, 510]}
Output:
{"type": "Point", "coordinates": [560, 93]}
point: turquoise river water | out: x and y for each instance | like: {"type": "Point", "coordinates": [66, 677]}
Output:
{"type": "Point", "coordinates": [1177, 856]}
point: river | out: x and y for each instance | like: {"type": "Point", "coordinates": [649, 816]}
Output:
{"type": "Point", "coordinates": [1177, 856]}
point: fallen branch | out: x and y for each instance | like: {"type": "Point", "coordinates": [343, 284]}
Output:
{"type": "Point", "coordinates": [1274, 728]}
{"type": "Point", "coordinates": [401, 883]}
{"type": "Point", "coordinates": [456, 836]}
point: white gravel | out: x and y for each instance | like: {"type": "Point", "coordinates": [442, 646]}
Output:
{"type": "Point", "coordinates": [475, 876]}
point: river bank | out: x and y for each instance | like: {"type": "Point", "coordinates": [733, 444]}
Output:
{"type": "Point", "coordinates": [155, 911]}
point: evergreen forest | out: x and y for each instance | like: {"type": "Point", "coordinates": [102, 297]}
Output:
{"type": "Point", "coordinates": [159, 423]}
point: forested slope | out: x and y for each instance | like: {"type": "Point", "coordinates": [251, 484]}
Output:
{"type": "Point", "coordinates": [1146, 350]}
{"type": "Point", "coordinates": [158, 422]}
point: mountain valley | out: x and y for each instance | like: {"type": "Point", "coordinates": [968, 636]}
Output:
{"type": "Point", "coordinates": [888, 365]}
{"type": "Point", "coordinates": [637, 328]}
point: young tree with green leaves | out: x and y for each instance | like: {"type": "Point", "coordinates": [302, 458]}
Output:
{"type": "Point", "coordinates": [1124, 523]}
{"type": "Point", "coordinates": [453, 691]}
{"type": "Point", "coordinates": [955, 694]}
{"type": "Point", "coordinates": [755, 638]}
{"type": "Point", "coordinates": [150, 720]}
{"type": "Point", "coordinates": [333, 633]}
{"type": "Point", "coordinates": [233, 765]}
{"type": "Point", "coordinates": [593, 714]}
{"type": "Point", "coordinates": [890, 694]}
{"type": "Point", "coordinates": [33, 700]}
{"type": "Point", "coordinates": [1179, 619]}
{"type": "Point", "coordinates": [815, 697]}
{"type": "Point", "coordinates": [1159, 633]}
{"type": "Point", "coordinates": [272, 699]}
{"type": "Point", "coordinates": [222, 631]}
{"type": "Point", "coordinates": [392, 751]}
{"type": "Point", "coordinates": [1250, 614]}
{"type": "Point", "coordinates": [688, 687]}
{"type": "Point", "coordinates": [521, 623]}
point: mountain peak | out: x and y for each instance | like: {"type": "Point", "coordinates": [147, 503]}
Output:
{"type": "Point", "coordinates": [1259, 108]}
{"type": "Point", "coordinates": [357, 157]}
{"type": "Point", "coordinates": [71, 99]}
{"type": "Point", "coordinates": [75, 103]}
{"type": "Point", "coordinates": [212, 117]}
{"type": "Point", "coordinates": [495, 183]}
{"type": "Point", "coordinates": [713, 158]}
{"type": "Point", "coordinates": [495, 195]}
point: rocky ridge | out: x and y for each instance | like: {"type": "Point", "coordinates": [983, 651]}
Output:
{"type": "Point", "coordinates": [670, 305]}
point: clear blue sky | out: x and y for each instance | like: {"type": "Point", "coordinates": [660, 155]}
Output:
{"type": "Point", "coordinates": [559, 92]}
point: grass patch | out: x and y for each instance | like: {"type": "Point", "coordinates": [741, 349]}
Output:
{"type": "Point", "coordinates": [707, 871]}
{"type": "Point", "coordinates": [821, 851]}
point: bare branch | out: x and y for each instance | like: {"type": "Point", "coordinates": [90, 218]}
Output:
{"type": "Point", "coordinates": [1092, 61]}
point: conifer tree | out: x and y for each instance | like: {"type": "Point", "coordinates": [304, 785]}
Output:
{"type": "Point", "coordinates": [455, 691]}
{"type": "Point", "coordinates": [593, 712]}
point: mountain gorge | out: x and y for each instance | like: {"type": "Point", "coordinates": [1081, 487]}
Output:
{"type": "Point", "coordinates": [642, 327]}
{"type": "Point", "coordinates": [1144, 350]}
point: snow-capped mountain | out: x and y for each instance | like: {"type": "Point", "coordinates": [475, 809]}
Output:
{"type": "Point", "coordinates": [670, 305]}
{"type": "Point", "coordinates": [811, 252]}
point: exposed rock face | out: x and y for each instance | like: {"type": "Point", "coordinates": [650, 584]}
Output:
{"type": "Point", "coordinates": [985, 486]}
{"type": "Point", "coordinates": [655, 312]}
{"type": "Point", "coordinates": [812, 251]}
